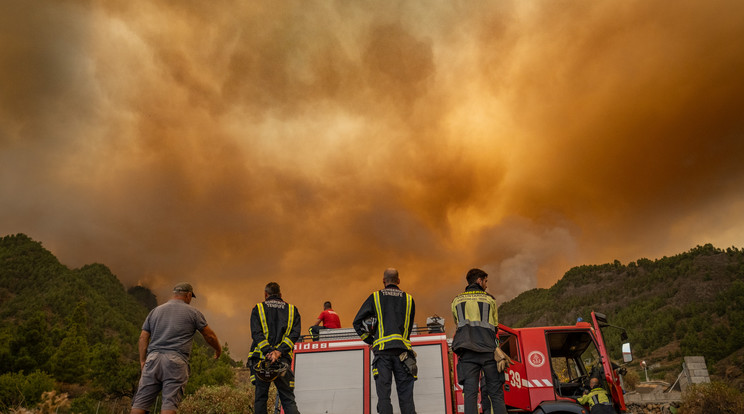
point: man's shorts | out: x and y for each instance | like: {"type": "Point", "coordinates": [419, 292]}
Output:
{"type": "Point", "coordinates": [162, 371]}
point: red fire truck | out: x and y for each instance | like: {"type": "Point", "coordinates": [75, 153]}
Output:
{"type": "Point", "coordinates": [551, 368]}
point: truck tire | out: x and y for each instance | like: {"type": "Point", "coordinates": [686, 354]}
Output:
{"type": "Point", "coordinates": [560, 407]}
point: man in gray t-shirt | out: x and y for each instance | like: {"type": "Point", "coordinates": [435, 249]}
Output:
{"type": "Point", "coordinates": [164, 349]}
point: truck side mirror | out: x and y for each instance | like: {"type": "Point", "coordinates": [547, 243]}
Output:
{"type": "Point", "coordinates": [627, 355]}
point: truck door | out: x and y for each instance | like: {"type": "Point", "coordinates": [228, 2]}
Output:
{"type": "Point", "coordinates": [516, 384]}
{"type": "Point", "coordinates": [599, 321]}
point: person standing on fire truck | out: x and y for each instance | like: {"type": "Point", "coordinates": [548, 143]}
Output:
{"type": "Point", "coordinates": [329, 318]}
{"type": "Point", "coordinates": [390, 338]}
{"type": "Point", "coordinates": [475, 341]}
{"type": "Point", "coordinates": [275, 327]}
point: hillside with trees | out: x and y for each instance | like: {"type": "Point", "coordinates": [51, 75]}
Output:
{"type": "Point", "coordinates": [74, 330]}
{"type": "Point", "coordinates": [688, 304]}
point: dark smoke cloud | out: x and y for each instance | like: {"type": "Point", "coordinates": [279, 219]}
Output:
{"type": "Point", "coordinates": [231, 144]}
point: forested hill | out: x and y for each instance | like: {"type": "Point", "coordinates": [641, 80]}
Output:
{"type": "Point", "coordinates": [688, 304]}
{"type": "Point", "coordinates": [75, 331]}
{"type": "Point", "coordinates": [81, 325]}
{"type": "Point", "coordinates": [77, 324]}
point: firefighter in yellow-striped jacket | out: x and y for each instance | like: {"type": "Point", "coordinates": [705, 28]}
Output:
{"type": "Point", "coordinates": [275, 327]}
{"type": "Point", "coordinates": [475, 341]}
{"type": "Point", "coordinates": [597, 399]}
{"type": "Point", "coordinates": [390, 336]}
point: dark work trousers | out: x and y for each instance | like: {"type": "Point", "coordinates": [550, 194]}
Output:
{"type": "Point", "coordinates": [469, 367]}
{"type": "Point", "coordinates": [285, 389]}
{"type": "Point", "coordinates": [315, 331]}
{"type": "Point", "coordinates": [602, 409]}
{"type": "Point", "coordinates": [387, 366]}
{"type": "Point", "coordinates": [485, 399]}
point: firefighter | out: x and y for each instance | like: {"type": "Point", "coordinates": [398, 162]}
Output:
{"type": "Point", "coordinates": [475, 342]}
{"type": "Point", "coordinates": [390, 338]}
{"type": "Point", "coordinates": [275, 326]}
{"type": "Point", "coordinates": [597, 399]}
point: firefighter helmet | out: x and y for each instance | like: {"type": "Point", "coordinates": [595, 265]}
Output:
{"type": "Point", "coordinates": [268, 372]}
{"type": "Point", "coordinates": [369, 325]}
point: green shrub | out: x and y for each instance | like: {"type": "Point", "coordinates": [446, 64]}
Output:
{"type": "Point", "coordinates": [715, 397]}
{"type": "Point", "coordinates": [85, 404]}
{"type": "Point", "coordinates": [631, 380]}
{"type": "Point", "coordinates": [223, 399]}
{"type": "Point", "coordinates": [18, 389]}
{"type": "Point", "coordinates": [214, 376]}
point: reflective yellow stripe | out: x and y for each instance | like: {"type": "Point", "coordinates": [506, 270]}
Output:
{"type": "Point", "coordinates": [262, 316]}
{"type": "Point", "coordinates": [380, 327]}
{"type": "Point", "coordinates": [378, 309]}
{"type": "Point", "coordinates": [285, 338]}
{"type": "Point", "coordinates": [290, 322]}
{"type": "Point", "coordinates": [394, 337]}
{"type": "Point", "coordinates": [288, 342]}
{"type": "Point", "coordinates": [407, 326]}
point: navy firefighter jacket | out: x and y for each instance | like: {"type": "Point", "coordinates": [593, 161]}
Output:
{"type": "Point", "coordinates": [395, 311]}
{"type": "Point", "coordinates": [275, 325]}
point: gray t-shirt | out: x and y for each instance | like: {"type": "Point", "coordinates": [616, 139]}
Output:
{"type": "Point", "coordinates": [172, 326]}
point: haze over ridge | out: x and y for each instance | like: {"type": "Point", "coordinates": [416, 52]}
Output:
{"type": "Point", "coordinates": [314, 144]}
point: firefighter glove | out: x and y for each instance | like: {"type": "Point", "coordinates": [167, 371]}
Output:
{"type": "Point", "coordinates": [502, 360]}
{"type": "Point", "coordinates": [409, 360]}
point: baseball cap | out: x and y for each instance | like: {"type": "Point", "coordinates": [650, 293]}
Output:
{"type": "Point", "coordinates": [184, 287]}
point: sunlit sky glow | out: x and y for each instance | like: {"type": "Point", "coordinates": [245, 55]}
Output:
{"type": "Point", "coordinates": [233, 143]}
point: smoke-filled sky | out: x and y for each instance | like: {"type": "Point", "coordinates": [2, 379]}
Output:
{"type": "Point", "coordinates": [315, 143]}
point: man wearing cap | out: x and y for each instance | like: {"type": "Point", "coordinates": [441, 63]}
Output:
{"type": "Point", "coordinates": [164, 349]}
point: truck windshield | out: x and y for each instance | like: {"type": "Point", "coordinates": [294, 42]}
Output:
{"type": "Point", "coordinates": [573, 355]}
{"type": "Point", "coordinates": [590, 359]}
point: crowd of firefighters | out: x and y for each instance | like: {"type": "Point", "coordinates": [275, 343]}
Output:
{"type": "Point", "coordinates": [384, 321]}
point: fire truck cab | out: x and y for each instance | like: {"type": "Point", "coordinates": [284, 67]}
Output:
{"type": "Point", "coordinates": [552, 366]}
{"type": "Point", "coordinates": [550, 370]}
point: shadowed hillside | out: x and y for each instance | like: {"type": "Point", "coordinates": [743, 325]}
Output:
{"type": "Point", "coordinates": [75, 331]}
